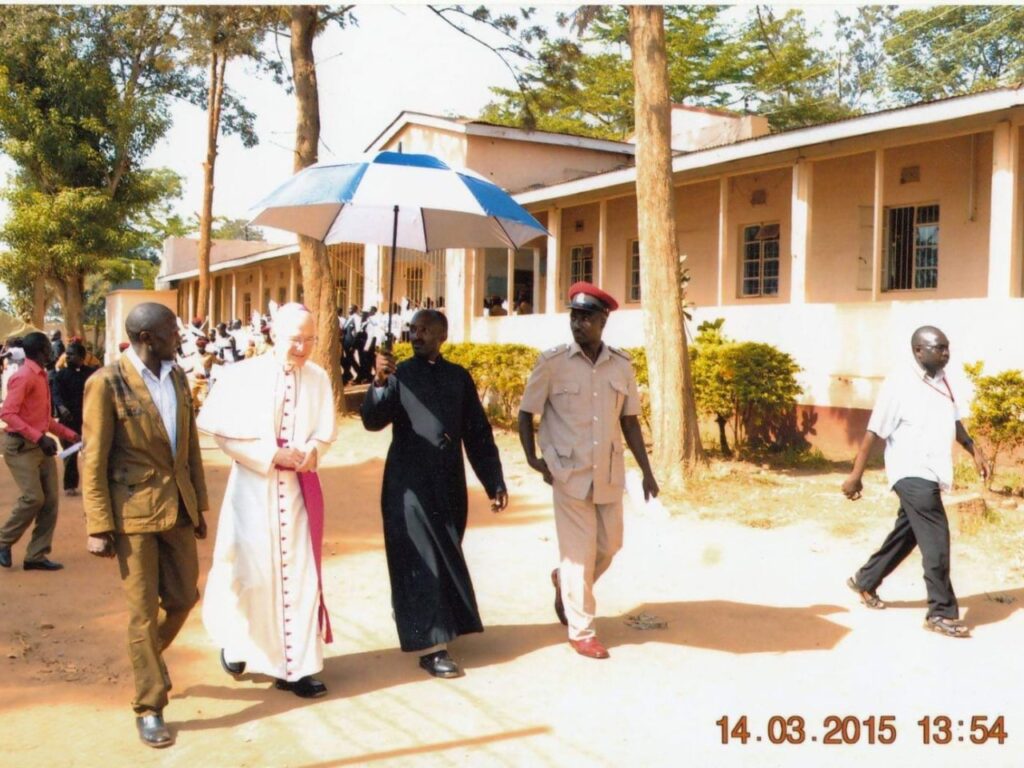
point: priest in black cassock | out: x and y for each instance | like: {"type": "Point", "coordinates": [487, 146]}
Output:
{"type": "Point", "coordinates": [435, 411]}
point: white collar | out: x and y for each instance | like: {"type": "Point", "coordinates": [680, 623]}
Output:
{"type": "Point", "coordinates": [141, 367]}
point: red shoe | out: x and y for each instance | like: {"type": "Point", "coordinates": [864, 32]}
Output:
{"type": "Point", "coordinates": [590, 647]}
{"type": "Point", "coordinates": [559, 608]}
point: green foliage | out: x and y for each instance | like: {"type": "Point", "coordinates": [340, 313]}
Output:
{"type": "Point", "coordinates": [499, 370]}
{"type": "Point", "coordinates": [750, 385]}
{"type": "Point", "coordinates": [785, 77]}
{"type": "Point", "coordinates": [585, 86]}
{"type": "Point", "coordinates": [949, 50]}
{"type": "Point", "coordinates": [84, 97]}
{"type": "Point", "coordinates": [997, 412]}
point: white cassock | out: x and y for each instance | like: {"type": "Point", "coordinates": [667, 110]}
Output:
{"type": "Point", "coordinates": [262, 597]}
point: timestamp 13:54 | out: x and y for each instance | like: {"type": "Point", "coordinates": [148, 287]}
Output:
{"type": "Point", "coordinates": [874, 729]}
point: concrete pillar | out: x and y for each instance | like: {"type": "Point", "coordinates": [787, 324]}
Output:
{"type": "Point", "coordinates": [723, 235]}
{"type": "Point", "coordinates": [1003, 261]}
{"type": "Point", "coordinates": [291, 279]}
{"type": "Point", "coordinates": [878, 224]}
{"type": "Point", "coordinates": [535, 298]}
{"type": "Point", "coordinates": [234, 297]}
{"type": "Point", "coordinates": [601, 257]}
{"type": "Point", "coordinates": [510, 266]}
{"type": "Point", "coordinates": [191, 288]}
{"type": "Point", "coordinates": [553, 302]}
{"type": "Point", "coordinates": [800, 230]}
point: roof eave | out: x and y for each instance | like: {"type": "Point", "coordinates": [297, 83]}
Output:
{"type": "Point", "coordinates": [908, 117]}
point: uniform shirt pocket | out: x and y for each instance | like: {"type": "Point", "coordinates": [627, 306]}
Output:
{"type": "Point", "coordinates": [620, 391]}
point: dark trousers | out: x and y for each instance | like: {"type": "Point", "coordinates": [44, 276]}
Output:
{"type": "Point", "coordinates": [366, 361]}
{"type": "Point", "coordinates": [349, 365]}
{"type": "Point", "coordinates": [71, 462]}
{"type": "Point", "coordinates": [920, 522]}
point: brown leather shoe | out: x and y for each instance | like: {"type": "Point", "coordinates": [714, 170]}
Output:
{"type": "Point", "coordinates": [559, 607]}
{"type": "Point", "coordinates": [590, 647]}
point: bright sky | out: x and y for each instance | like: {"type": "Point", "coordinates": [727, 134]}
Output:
{"type": "Point", "coordinates": [397, 57]}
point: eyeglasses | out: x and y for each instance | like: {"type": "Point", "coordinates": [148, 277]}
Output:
{"type": "Point", "coordinates": [936, 347]}
{"type": "Point", "coordinates": [297, 341]}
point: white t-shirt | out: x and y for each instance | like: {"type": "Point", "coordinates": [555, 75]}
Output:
{"type": "Point", "coordinates": [916, 415]}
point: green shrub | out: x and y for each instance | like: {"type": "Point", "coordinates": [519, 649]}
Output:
{"type": "Point", "coordinates": [997, 413]}
{"type": "Point", "coordinates": [499, 370]}
{"type": "Point", "coordinates": [749, 385]}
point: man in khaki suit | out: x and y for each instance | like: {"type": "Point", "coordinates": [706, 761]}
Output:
{"type": "Point", "coordinates": [586, 396]}
{"type": "Point", "coordinates": [144, 498]}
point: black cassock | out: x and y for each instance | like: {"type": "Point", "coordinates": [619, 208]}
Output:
{"type": "Point", "coordinates": [434, 411]}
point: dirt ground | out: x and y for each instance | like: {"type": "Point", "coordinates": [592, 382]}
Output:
{"type": "Point", "coordinates": [747, 570]}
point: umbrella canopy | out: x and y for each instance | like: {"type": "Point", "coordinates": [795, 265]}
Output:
{"type": "Point", "coordinates": [435, 206]}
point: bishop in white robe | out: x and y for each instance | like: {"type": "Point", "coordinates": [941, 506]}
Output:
{"type": "Point", "coordinates": [273, 415]}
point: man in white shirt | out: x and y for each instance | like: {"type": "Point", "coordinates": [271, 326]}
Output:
{"type": "Point", "coordinates": [917, 416]}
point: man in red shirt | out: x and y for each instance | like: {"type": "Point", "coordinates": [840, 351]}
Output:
{"type": "Point", "coordinates": [29, 452]}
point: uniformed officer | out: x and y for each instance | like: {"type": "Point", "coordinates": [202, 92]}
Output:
{"type": "Point", "coordinates": [586, 395]}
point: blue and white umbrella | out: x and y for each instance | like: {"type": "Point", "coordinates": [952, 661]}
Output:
{"type": "Point", "coordinates": [403, 200]}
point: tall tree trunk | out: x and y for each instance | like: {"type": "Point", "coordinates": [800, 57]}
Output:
{"type": "Point", "coordinates": [72, 289]}
{"type": "Point", "coordinates": [40, 294]}
{"type": "Point", "coordinates": [215, 96]}
{"type": "Point", "coordinates": [317, 280]}
{"type": "Point", "coordinates": [673, 411]}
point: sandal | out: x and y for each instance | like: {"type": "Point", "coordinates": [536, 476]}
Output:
{"type": "Point", "coordinates": [946, 626]}
{"type": "Point", "coordinates": [870, 599]}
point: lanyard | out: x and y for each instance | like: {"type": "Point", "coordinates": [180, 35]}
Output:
{"type": "Point", "coordinates": [948, 393]}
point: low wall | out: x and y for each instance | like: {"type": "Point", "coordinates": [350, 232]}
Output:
{"type": "Point", "coordinates": [845, 350]}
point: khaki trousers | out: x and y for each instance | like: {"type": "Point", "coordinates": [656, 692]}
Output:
{"type": "Point", "coordinates": [160, 575]}
{"type": "Point", "coordinates": [35, 474]}
{"type": "Point", "coordinates": [589, 535]}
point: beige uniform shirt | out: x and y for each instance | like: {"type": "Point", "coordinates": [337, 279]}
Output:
{"type": "Point", "coordinates": [580, 405]}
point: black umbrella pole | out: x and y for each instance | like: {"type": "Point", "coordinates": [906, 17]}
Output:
{"type": "Point", "coordinates": [389, 337]}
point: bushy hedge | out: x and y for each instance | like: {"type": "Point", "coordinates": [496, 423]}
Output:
{"type": "Point", "coordinates": [748, 386]}
{"type": "Point", "coordinates": [997, 412]}
{"type": "Point", "coordinates": [499, 370]}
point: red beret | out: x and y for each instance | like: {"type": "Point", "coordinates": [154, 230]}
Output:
{"type": "Point", "coordinates": [123, 346]}
{"type": "Point", "coordinates": [589, 297]}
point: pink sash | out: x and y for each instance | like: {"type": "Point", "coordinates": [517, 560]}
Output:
{"type": "Point", "coordinates": [313, 497]}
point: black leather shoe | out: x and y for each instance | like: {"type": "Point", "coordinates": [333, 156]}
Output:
{"type": "Point", "coordinates": [153, 732]}
{"type": "Point", "coordinates": [307, 687]}
{"type": "Point", "coordinates": [233, 668]}
{"type": "Point", "coordinates": [42, 565]}
{"type": "Point", "coordinates": [440, 664]}
{"type": "Point", "coordinates": [5, 557]}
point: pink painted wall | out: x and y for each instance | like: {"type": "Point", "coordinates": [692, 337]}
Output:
{"type": "Point", "coordinates": [963, 231]}
{"type": "Point", "coordinates": [697, 233]}
{"type": "Point", "coordinates": [777, 185]}
{"type": "Point", "coordinates": [520, 165]}
{"type": "Point", "coordinates": [840, 188]}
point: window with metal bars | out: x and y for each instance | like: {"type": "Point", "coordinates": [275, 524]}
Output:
{"type": "Point", "coordinates": [581, 264]}
{"type": "Point", "coordinates": [911, 248]}
{"type": "Point", "coordinates": [760, 267]}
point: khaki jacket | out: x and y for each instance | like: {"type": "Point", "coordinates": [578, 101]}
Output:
{"type": "Point", "coordinates": [131, 482]}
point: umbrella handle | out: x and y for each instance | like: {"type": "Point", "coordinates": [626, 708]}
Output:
{"type": "Point", "coordinates": [389, 337]}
